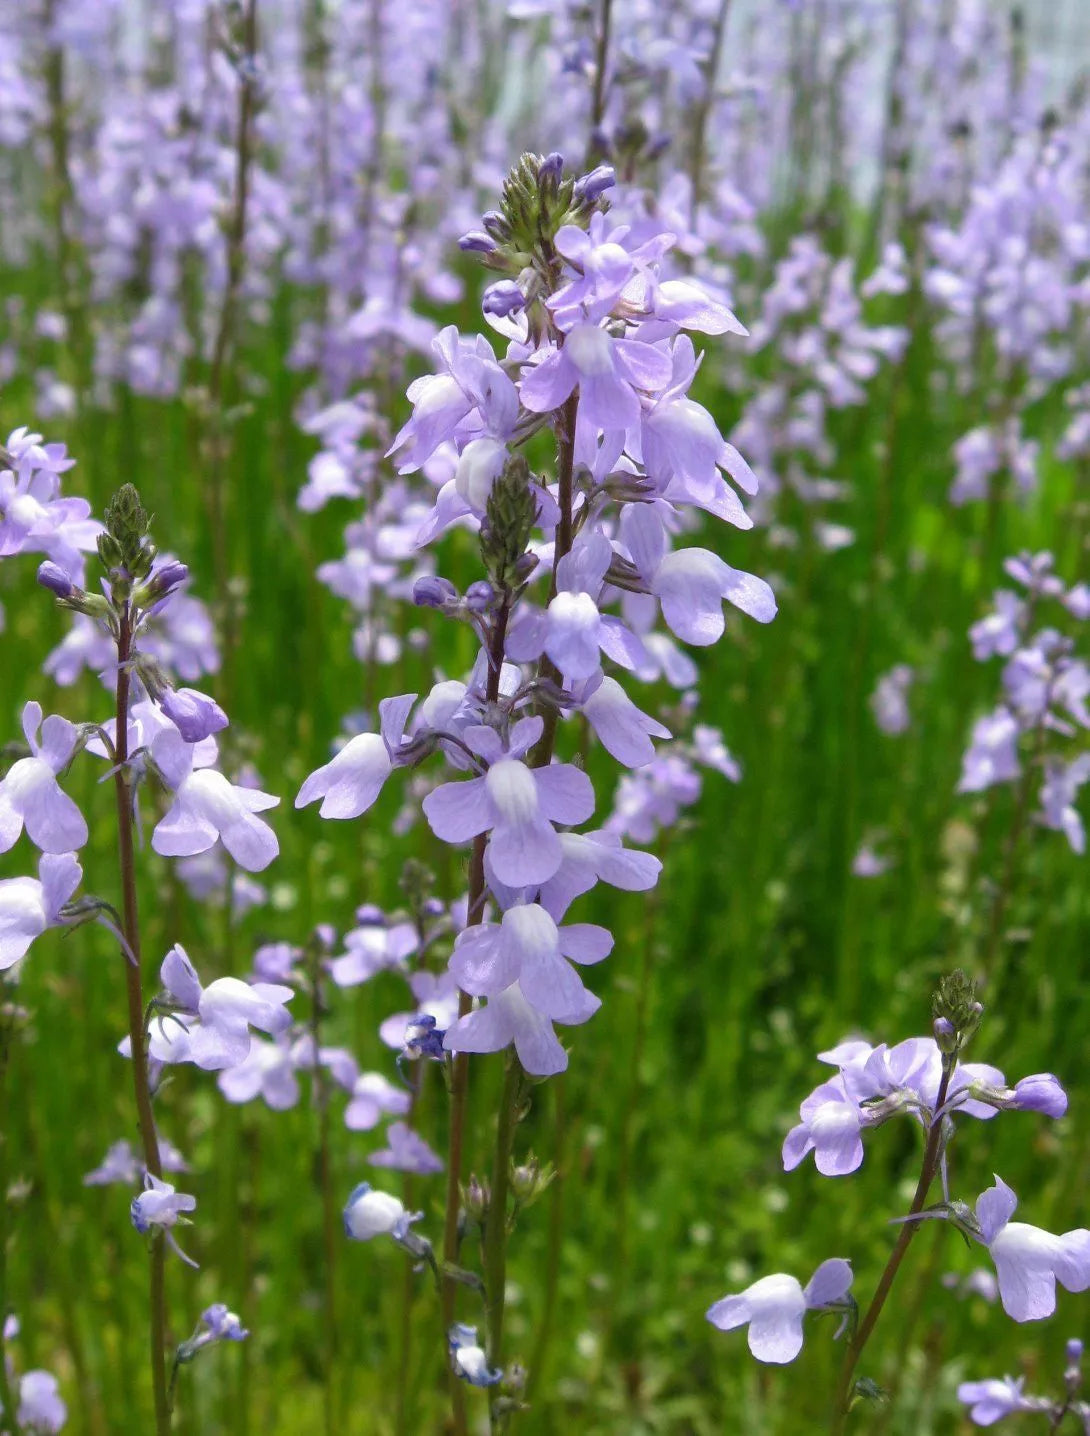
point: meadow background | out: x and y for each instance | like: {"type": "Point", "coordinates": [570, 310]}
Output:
{"type": "Point", "coordinates": [761, 945]}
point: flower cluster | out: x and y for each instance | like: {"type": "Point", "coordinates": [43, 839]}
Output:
{"type": "Point", "coordinates": [1039, 728]}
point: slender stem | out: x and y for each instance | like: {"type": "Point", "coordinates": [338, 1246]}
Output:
{"type": "Point", "coordinates": [7, 1402]}
{"type": "Point", "coordinates": [885, 1283]}
{"type": "Point", "coordinates": [543, 753]}
{"type": "Point", "coordinates": [495, 1222]}
{"type": "Point", "coordinates": [704, 107]}
{"type": "Point", "coordinates": [149, 1141]}
{"type": "Point", "coordinates": [320, 1098]}
{"type": "Point", "coordinates": [556, 1232]}
{"type": "Point", "coordinates": [632, 1095]}
{"type": "Point", "coordinates": [601, 60]}
{"type": "Point", "coordinates": [459, 1067]}
{"type": "Point", "coordinates": [223, 344]}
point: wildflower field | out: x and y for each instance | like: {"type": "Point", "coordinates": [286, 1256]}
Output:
{"type": "Point", "coordinates": [544, 694]}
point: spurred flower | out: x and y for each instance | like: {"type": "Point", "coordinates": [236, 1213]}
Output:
{"type": "Point", "coordinates": [517, 805]}
{"type": "Point", "coordinates": [1028, 1261]}
{"type": "Point", "coordinates": [773, 1309]}
{"type": "Point", "coordinates": [30, 905]}
{"type": "Point", "coordinates": [208, 809]}
{"type": "Point", "coordinates": [30, 793]}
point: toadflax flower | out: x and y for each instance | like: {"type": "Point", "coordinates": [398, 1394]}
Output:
{"type": "Point", "coordinates": [351, 781]}
{"type": "Point", "coordinates": [210, 1026]}
{"type": "Point", "coordinates": [160, 1206]}
{"type": "Point", "coordinates": [208, 809]}
{"type": "Point", "coordinates": [773, 1308]}
{"type": "Point", "coordinates": [467, 1357]}
{"type": "Point", "coordinates": [516, 804]}
{"type": "Point", "coordinates": [30, 905]}
{"type": "Point", "coordinates": [1029, 1261]}
{"type": "Point", "coordinates": [995, 1400]}
{"type": "Point", "coordinates": [368, 1214]}
{"type": "Point", "coordinates": [30, 794]}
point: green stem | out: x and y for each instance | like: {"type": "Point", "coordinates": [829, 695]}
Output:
{"type": "Point", "coordinates": [865, 1329]}
{"type": "Point", "coordinates": [224, 342]}
{"type": "Point", "coordinates": [134, 991]}
{"type": "Point", "coordinates": [704, 107]}
{"type": "Point", "coordinates": [459, 1067]}
{"type": "Point", "coordinates": [556, 1233]}
{"type": "Point", "coordinates": [7, 1400]}
{"type": "Point", "coordinates": [320, 1097]}
{"type": "Point", "coordinates": [495, 1222]}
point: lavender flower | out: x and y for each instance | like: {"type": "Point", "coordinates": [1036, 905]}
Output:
{"type": "Point", "coordinates": [773, 1309]}
{"type": "Point", "coordinates": [31, 795]}
{"type": "Point", "coordinates": [28, 906]}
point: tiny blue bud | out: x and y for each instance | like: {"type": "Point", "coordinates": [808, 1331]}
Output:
{"type": "Point", "coordinates": [551, 167]}
{"type": "Point", "coordinates": [53, 577]}
{"type": "Point", "coordinates": [477, 242]}
{"type": "Point", "coordinates": [503, 298]}
{"type": "Point", "coordinates": [480, 596]}
{"type": "Point", "coordinates": [592, 186]}
{"type": "Point", "coordinates": [431, 591]}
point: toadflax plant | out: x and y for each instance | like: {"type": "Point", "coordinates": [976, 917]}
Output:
{"type": "Point", "coordinates": [159, 735]}
{"type": "Point", "coordinates": [927, 1080]}
{"type": "Point", "coordinates": [580, 562]}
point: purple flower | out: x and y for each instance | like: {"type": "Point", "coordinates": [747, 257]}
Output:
{"type": "Point", "coordinates": [210, 1026]}
{"type": "Point", "coordinates": [405, 1151]}
{"type": "Point", "coordinates": [267, 1071]}
{"type": "Point", "coordinates": [194, 714]}
{"type": "Point", "coordinates": [889, 701]}
{"type": "Point", "coordinates": [40, 1406]}
{"type": "Point", "coordinates": [468, 1359]}
{"type": "Point", "coordinates": [373, 1097]}
{"type": "Point", "coordinates": [221, 1324]}
{"type": "Point", "coordinates": [368, 1214]}
{"type": "Point", "coordinates": [160, 1206]}
{"type": "Point", "coordinates": [1029, 1261]}
{"type": "Point", "coordinates": [30, 793]}
{"type": "Point", "coordinates": [470, 398]}
{"type": "Point", "coordinates": [351, 781]}
{"type": "Point", "coordinates": [509, 1018]}
{"type": "Point", "coordinates": [1058, 794]}
{"type": "Point", "coordinates": [773, 1309]}
{"type": "Point", "coordinates": [995, 1400]}
{"type": "Point", "coordinates": [30, 905]}
{"type": "Point", "coordinates": [517, 805]}
{"type": "Point", "coordinates": [208, 809]}
{"type": "Point", "coordinates": [691, 583]}
{"type": "Point", "coordinates": [992, 755]}
{"type": "Point", "coordinates": [372, 948]}
{"type": "Point", "coordinates": [528, 948]}
{"type": "Point", "coordinates": [121, 1164]}
{"type": "Point", "coordinates": [609, 373]}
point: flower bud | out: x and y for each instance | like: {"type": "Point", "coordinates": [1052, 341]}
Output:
{"type": "Point", "coordinates": [194, 714]}
{"type": "Point", "coordinates": [592, 186]}
{"type": "Point", "coordinates": [480, 596]}
{"type": "Point", "coordinates": [477, 242]}
{"type": "Point", "coordinates": [529, 1180]}
{"type": "Point", "coordinates": [503, 299]}
{"type": "Point", "coordinates": [551, 168]}
{"type": "Point", "coordinates": [475, 1199]}
{"type": "Point", "coordinates": [53, 577]}
{"type": "Point", "coordinates": [431, 591]}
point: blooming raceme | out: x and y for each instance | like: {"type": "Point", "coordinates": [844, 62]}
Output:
{"type": "Point", "coordinates": [874, 1084]}
{"type": "Point", "coordinates": [1040, 727]}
